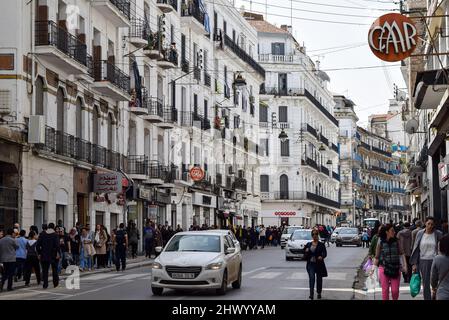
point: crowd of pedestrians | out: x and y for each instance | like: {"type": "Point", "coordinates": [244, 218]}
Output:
{"type": "Point", "coordinates": [411, 248]}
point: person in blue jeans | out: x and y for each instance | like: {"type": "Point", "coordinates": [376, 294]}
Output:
{"type": "Point", "coordinates": [315, 253]}
{"type": "Point", "coordinates": [21, 255]}
{"type": "Point", "coordinates": [85, 254]}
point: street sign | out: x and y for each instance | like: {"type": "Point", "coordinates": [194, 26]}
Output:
{"type": "Point", "coordinates": [197, 174]}
{"type": "Point", "coordinates": [107, 183]}
{"type": "Point", "coordinates": [393, 37]}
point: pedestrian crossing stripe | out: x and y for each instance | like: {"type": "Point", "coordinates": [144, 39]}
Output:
{"type": "Point", "coordinates": [96, 277]}
{"type": "Point", "coordinates": [266, 275]}
{"type": "Point", "coordinates": [339, 276]}
{"type": "Point", "coordinates": [131, 276]}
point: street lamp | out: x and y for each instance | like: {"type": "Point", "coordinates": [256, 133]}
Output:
{"type": "Point", "coordinates": [283, 136]}
{"type": "Point", "coordinates": [322, 148]}
{"type": "Point", "coordinates": [239, 82]}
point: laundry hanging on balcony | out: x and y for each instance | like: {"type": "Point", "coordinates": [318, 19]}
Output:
{"type": "Point", "coordinates": [137, 85]}
{"type": "Point", "coordinates": [206, 16]}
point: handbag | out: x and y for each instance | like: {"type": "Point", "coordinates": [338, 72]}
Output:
{"type": "Point", "coordinates": [415, 284]}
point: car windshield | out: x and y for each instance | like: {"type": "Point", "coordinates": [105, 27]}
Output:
{"type": "Point", "coordinates": [348, 231]}
{"type": "Point", "coordinates": [290, 230]}
{"type": "Point", "coordinates": [194, 243]}
{"type": "Point", "coordinates": [337, 230]}
{"type": "Point", "coordinates": [302, 235]}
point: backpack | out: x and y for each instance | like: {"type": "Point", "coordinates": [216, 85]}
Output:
{"type": "Point", "coordinates": [390, 258]}
{"type": "Point", "coordinates": [120, 237]}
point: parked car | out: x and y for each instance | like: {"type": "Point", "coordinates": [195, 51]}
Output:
{"type": "Point", "coordinates": [295, 245]}
{"type": "Point", "coordinates": [197, 260]}
{"type": "Point", "coordinates": [334, 234]}
{"type": "Point", "coordinates": [286, 234]}
{"type": "Point", "coordinates": [349, 236]}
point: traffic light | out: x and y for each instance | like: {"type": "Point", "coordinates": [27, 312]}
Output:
{"type": "Point", "coordinates": [199, 61]}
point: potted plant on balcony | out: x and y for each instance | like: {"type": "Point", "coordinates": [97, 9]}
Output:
{"type": "Point", "coordinates": [151, 41]}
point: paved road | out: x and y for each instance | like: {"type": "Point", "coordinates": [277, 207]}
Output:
{"type": "Point", "coordinates": [266, 275]}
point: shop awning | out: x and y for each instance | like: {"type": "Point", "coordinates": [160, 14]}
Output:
{"type": "Point", "coordinates": [429, 88]}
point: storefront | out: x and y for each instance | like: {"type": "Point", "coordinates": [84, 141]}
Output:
{"type": "Point", "coordinates": [9, 185]}
{"type": "Point", "coordinates": [278, 217]}
{"type": "Point", "coordinates": [204, 205]}
{"type": "Point", "coordinates": [81, 182]}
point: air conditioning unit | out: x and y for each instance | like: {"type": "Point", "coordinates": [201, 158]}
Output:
{"type": "Point", "coordinates": [5, 101]}
{"type": "Point", "coordinates": [36, 130]}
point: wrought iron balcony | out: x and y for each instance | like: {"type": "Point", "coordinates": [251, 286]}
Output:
{"type": "Point", "coordinates": [324, 140]}
{"type": "Point", "coordinates": [365, 145]}
{"type": "Point", "coordinates": [308, 128]}
{"type": "Point", "coordinates": [189, 119]}
{"type": "Point", "coordinates": [48, 33]}
{"type": "Point", "coordinates": [207, 79]}
{"type": "Point", "coordinates": [334, 147]}
{"type": "Point", "coordinates": [192, 10]}
{"type": "Point", "coordinates": [320, 107]}
{"type": "Point", "coordinates": [169, 60]}
{"type": "Point", "coordinates": [167, 6]}
{"type": "Point", "coordinates": [137, 165]}
{"type": "Point", "coordinates": [124, 6]}
{"type": "Point", "coordinates": [322, 200]}
{"type": "Point", "coordinates": [324, 170]}
{"type": "Point", "coordinates": [276, 91]}
{"type": "Point", "coordinates": [309, 162]}
{"type": "Point", "coordinates": [106, 71]}
{"type": "Point", "coordinates": [336, 176]}
{"type": "Point", "coordinates": [185, 66]}
{"type": "Point", "coordinates": [155, 108]}
{"type": "Point", "coordinates": [385, 153]}
{"type": "Point", "coordinates": [239, 52]}
{"type": "Point", "coordinates": [139, 32]}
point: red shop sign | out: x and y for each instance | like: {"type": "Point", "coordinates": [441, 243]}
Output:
{"type": "Point", "coordinates": [393, 37]}
{"type": "Point", "coordinates": [197, 174]}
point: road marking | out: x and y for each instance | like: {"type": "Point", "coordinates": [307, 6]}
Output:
{"type": "Point", "coordinates": [94, 290]}
{"type": "Point", "coordinates": [252, 271]}
{"type": "Point", "coordinates": [131, 276]}
{"type": "Point", "coordinates": [339, 276]}
{"type": "Point", "coordinates": [101, 276]}
{"type": "Point", "coordinates": [266, 275]}
{"type": "Point", "coordinates": [48, 292]}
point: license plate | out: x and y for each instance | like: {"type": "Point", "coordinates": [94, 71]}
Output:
{"type": "Point", "coordinates": [183, 275]}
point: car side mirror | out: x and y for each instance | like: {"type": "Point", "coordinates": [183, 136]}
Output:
{"type": "Point", "coordinates": [158, 249]}
{"type": "Point", "coordinates": [230, 250]}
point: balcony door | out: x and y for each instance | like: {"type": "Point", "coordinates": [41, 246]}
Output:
{"type": "Point", "coordinates": [282, 83]}
{"type": "Point", "coordinates": [283, 186]}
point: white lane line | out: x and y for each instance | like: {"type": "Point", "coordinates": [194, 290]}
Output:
{"type": "Point", "coordinates": [298, 276]}
{"type": "Point", "coordinates": [252, 271]}
{"type": "Point", "coordinates": [101, 276]}
{"type": "Point", "coordinates": [131, 276]}
{"type": "Point", "coordinates": [96, 290]}
{"type": "Point", "coordinates": [266, 275]}
{"type": "Point", "coordinates": [339, 276]}
{"type": "Point", "coordinates": [362, 292]}
{"type": "Point", "coordinates": [48, 292]}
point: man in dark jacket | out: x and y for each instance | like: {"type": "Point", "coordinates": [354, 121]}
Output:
{"type": "Point", "coordinates": [8, 248]}
{"type": "Point", "coordinates": [47, 248]}
{"type": "Point", "coordinates": [405, 243]}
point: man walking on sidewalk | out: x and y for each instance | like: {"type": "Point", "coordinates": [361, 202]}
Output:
{"type": "Point", "coordinates": [8, 247]}
{"type": "Point", "coordinates": [47, 248]}
{"type": "Point", "coordinates": [405, 244]}
{"type": "Point", "coordinates": [262, 234]}
{"type": "Point", "coordinates": [120, 244]}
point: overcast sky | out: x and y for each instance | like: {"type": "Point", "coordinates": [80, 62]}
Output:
{"type": "Point", "coordinates": [370, 89]}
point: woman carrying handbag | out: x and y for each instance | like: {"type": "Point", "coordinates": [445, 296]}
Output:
{"type": "Point", "coordinates": [315, 253]}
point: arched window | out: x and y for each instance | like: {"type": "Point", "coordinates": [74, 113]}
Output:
{"type": "Point", "coordinates": [79, 118]}
{"type": "Point", "coordinates": [39, 87]}
{"type": "Point", "coordinates": [60, 110]}
{"type": "Point", "coordinates": [283, 186]}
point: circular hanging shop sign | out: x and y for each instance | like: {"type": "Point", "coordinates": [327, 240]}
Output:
{"type": "Point", "coordinates": [393, 37]}
{"type": "Point", "coordinates": [197, 174]}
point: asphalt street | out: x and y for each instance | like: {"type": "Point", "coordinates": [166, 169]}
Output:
{"type": "Point", "coordinates": [266, 275]}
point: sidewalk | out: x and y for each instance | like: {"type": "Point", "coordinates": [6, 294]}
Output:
{"type": "Point", "coordinates": [140, 261]}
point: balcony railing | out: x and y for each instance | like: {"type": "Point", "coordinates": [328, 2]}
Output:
{"type": "Point", "coordinates": [308, 128]}
{"type": "Point", "coordinates": [385, 153]}
{"type": "Point", "coordinates": [322, 200]}
{"type": "Point", "coordinates": [66, 145]}
{"type": "Point", "coordinates": [320, 107]}
{"type": "Point", "coordinates": [281, 92]}
{"type": "Point", "coordinates": [192, 10]}
{"type": "Point", "coordinates": [311, 163]}
{"type": "Point", "coordinates": [276, 58]}
{"type": "Point", "coordinates": [173, 3]}
{"type": "Point", "coordinates": [324, 140]}
{"type": "Point", "coordinates": [154, 105]}
{"type": "Point", "coordinates": [139, 29]}
{"type": "Point", "coordinates": [288, 195]}
{"type": "Point", "coordinates": [207, 79]}
{"type": "Point", "coordinates": [365, 145]}
{"type": "Point", "coordinates": [325, 170]}
{"type": "Point", "coordinates": [243, 55]}
{"type": "Point", "coordinates": [124, 6]}
{"type": "Point", "coordinates": [379, 169]}
{"type": "Point", "coordinates": [156, 170]}
{"type": "Point", "coordinates": [106, 71]}
{"type": "Point", "coordinates": [9, 197]}
{"type": "Point", "coordinates": [284, 125]}
{"type": "Point", "coordinates": [336, 176]}
{"type": "Point", "coordinates": [185, 66]}
{"type": "Point", "coordinates": [335, 148]}
{"type": "Point", "coordinates": [170, 55]}
{"type": "Point", "coordinates": [188, 119]}
{"type": "Point", "coordinates": [48, 33]}
{"type": "Point", "coordinates": [137, 165]}
{"type": "Point", "coordinates": [197, 73]}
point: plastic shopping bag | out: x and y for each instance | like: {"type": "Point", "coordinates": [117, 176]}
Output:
{"type": "Point", "coordinates": [415, 284]}
{"type": "Point", "coordinates": [368, 265]}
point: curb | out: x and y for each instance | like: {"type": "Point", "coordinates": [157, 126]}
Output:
{"type": "Point", "coordinates": [62, 277]}
{"type": "Point", "coordinates": [359, 281]}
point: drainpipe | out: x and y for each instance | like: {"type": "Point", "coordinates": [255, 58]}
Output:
{"type": "Point", "coordinates": [32, 43]}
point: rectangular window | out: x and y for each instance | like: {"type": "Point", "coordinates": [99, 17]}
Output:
{"type": "Point", "coordinates": [285, 148]}
{"type": "Point", "coordinates": [263, 114]}
{"type": "Point", "coordinates": [195, 55]}
{"type": "Point", "coordinates": [172, 33]}
{"type": "Point", "coordinates": [264, 183]}
{"type": "Point", "coordinates": [195, 104]}
{"type": "Point", "coordinates": [278, 48]}
{"type": "Point", "coordinates": [225, 27]}
{"type": "Point", "coordinates": [264, 147]}
{"type": "Point", "coordinates": [205, 109]}
{"type": "Point", "coordinates": [283, 114]}
{"type": "Point", "coordinates": [236, 122]}
{"type": "Point", "coordinates": [233, 36]}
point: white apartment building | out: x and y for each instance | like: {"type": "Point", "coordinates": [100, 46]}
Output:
{"type": "Point", "coordinates": [299, 175]}
{"type": "Point", "coordinates": [107, 105]}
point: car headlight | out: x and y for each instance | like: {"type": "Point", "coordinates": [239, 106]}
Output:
{"type": "Point", "coordinates": [156, 265]}
{"type": "Point", "coordinates": [214, 266]}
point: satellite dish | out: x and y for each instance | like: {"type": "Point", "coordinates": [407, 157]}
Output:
{"type": "Point", "coordinates": [412, 126]}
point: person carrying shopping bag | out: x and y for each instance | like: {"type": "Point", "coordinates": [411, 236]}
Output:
{"type": "Point", "coordinates": [391, 260]}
